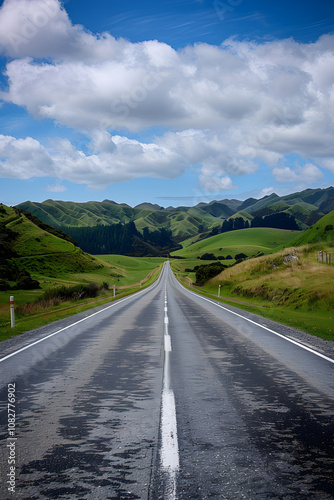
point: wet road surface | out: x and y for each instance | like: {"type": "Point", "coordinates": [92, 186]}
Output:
{"type": "Point", "coordinates": [166, 395]}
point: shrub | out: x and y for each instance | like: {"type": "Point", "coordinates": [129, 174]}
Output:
{"type": "Point", "coordinates": [75, 292]}
{"type": "Point", "coordinates": [240, 256]}
{"type": "Point", "coordinates": [208, 256]}
{"type": "Point", "coordinates": [208, 271]}
{"type": "Point", "coordinates": [25, 282]}
{"type": "Point", "coordinates": [4, 286]}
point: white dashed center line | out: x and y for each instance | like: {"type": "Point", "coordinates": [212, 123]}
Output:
{"type": "Point", "coordinates": [169, 443]}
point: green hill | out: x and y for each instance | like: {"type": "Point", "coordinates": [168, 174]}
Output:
{"type": "Point", "coordinates": [320, 199]}
{"type": "Point", "coordinates": [67, 213]}
{"type": "Point", "coordinates": [250, 241]}
{"type": "Point", "coordinates": [183, 221]}
{"type": "Point", "coordinates": [28, 247]}
{"type": "Point", "coordinates": [322, 231]}
{"type": "Point", "coordinates": [306, 207]}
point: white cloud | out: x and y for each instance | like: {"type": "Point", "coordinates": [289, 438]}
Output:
{"type": "Point", "coordinates": [57, 187]}
{"type": "Point", "coordinates": [304, 175]}
{"type": "Point", "coordinates": [215, 184]}
{"type": "Point", "coordinates": [227, 107]}
{"type": "Point", "coordinates": [113, 159]}
{"type": "Point", "coordinates": [265, 192]}
{"type": "Point", "coordinates": [24, 158]}
{"type": "Point", "coordinates": [33, 28]}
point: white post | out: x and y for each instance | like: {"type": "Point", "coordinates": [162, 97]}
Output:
{"type": "Point", "coordinates": [219, 290]}
{"type": "Point", "coordinates": [12, 314]}
{"type": "Point", "coordinates": [114, 290]}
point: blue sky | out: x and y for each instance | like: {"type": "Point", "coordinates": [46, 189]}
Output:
{"type": "Point", "coordinates": [172, 103]}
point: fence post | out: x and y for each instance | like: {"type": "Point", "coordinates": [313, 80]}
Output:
{"type": "Point", "coordinates": [324, 256]}
{"type": "Point", "coordinates": [12, 313]}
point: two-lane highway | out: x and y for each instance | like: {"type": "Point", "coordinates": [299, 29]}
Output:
{"type": "Point", "coordinates": [166, 395]}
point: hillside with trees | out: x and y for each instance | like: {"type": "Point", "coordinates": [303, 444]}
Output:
{"type": "Point", "coordinates": [123, 239]}
{"type": "Point", "coordinates": [150, 229]}
{"type": "Point", "coordinates": [29, 247]}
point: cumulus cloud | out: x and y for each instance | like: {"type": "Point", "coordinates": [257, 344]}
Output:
{"type": "Point", "coordinates": [112, 159]}
{"type": "Point", "coordinates": [24, 158]}
{"type": "Point", "coordinates": [228, 107]}
{"type": "Point", "coordinates": [214, 184]}
{"type": "Point", "coordinates": [306, 174]}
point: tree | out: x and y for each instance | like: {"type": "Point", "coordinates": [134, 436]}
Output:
{"type": "Point", "coordinates": [208, 256]}
{"type": "Point", "coordinates": [238, 223]}
{"type": "Point", "coordinates": [208, 271]}
{"type": "Point", "coordinates": [279, 220]}
{"type": "Point", "coordinates": [227, 226]}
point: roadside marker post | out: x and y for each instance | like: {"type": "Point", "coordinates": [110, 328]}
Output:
{"type": "Point", "coordinates": [114, 290]}
{"type": "Point", "coordinates": [12, 313]}
{"type": "Point", "coordinates": [219, 290]}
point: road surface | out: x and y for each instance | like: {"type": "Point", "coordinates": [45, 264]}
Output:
{"type": "Point", "coordinates": [166, 395]}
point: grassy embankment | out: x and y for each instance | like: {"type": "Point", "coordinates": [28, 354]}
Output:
{"type": "Point", "coordinates": [297, 292]}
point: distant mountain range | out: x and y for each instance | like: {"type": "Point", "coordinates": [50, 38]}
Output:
{"type": "Point", "coordinates": [306, 207]}
{"type": "Point", "coordinates": [33, 239]}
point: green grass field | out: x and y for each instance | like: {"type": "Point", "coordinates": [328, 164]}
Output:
{"type": "Point", "coordinates": [125, 271]}
{"type": "Point", "coordinates": [248, 241]}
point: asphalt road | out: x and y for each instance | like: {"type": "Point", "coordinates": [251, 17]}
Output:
{"type": "Point", "coordinates": [166, 395]}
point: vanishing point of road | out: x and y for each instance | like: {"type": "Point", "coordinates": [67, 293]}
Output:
{"type": "Point", "coordinates": [166, 395]}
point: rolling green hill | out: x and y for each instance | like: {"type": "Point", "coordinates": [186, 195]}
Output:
{"type": "Point", "coordinates": [27, 248]}
{"type": "Point", "coordinates": [319, 199]}
{"type": "Point", "coordinates": [183, 221]}
{"type": "Point", "coordinates": [67, 213]}
{"type": "Point", "coordinates": [306, 207]}
{"type": "Point", "coordinates": [250, 241]}
{"type": "Point", "coordinates": [322, 231]}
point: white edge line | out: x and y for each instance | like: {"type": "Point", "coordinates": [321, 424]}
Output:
{"type": "Point", "coordinates": [72, 324]}
{"type": "Point", "coordinates": [262, 326]}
